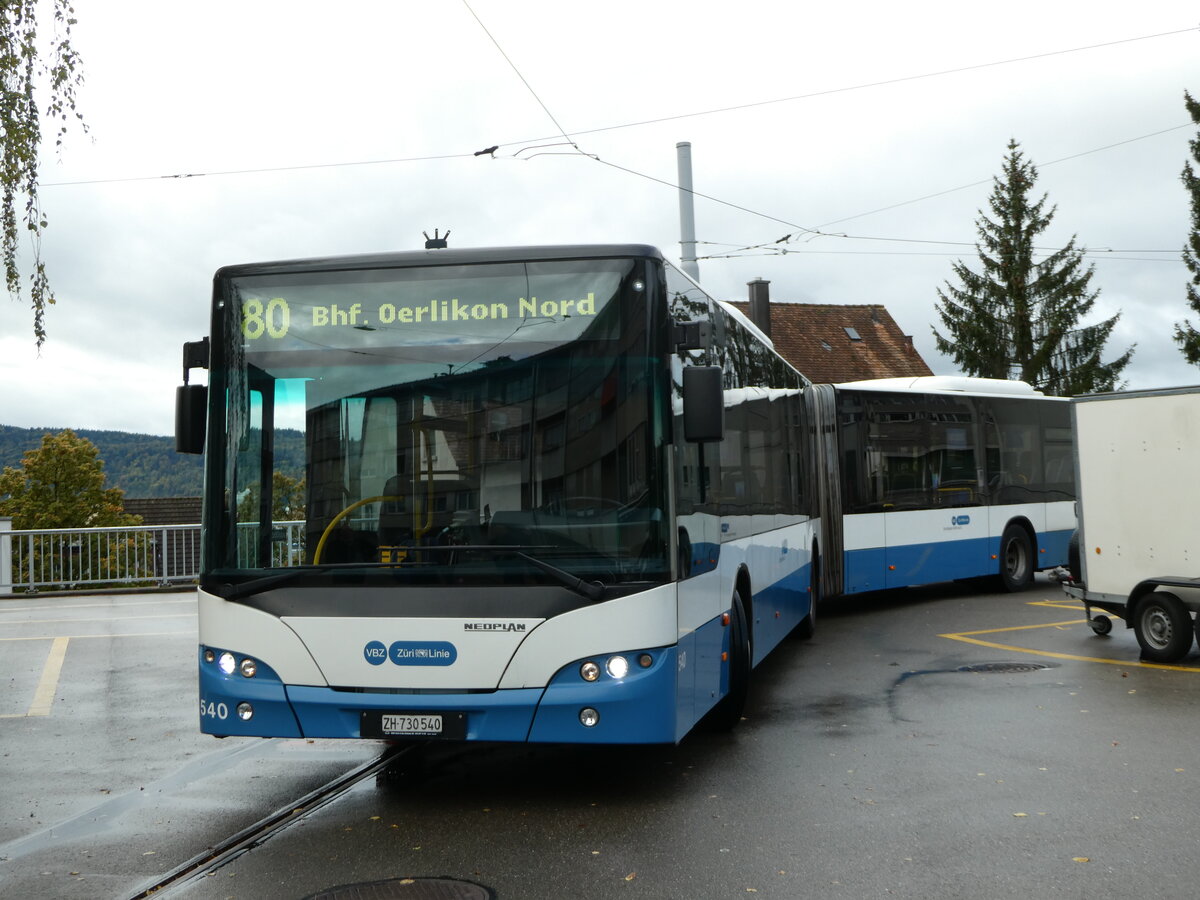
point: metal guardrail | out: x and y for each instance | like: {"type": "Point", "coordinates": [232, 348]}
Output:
{"type": "Point", "coordinates": [138, 556]}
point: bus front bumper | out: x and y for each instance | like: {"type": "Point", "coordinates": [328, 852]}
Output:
{"type": "Point", "coordinates": [638, 708]}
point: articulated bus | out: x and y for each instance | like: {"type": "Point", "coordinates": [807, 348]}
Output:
{"type": "Point", "coordinates": [560, 494]}
{"type": "Point", "coordinates": [549, 494]}
{"type": "Point", "coordinates": [932, 479]}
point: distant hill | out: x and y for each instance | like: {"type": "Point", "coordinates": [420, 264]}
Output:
{"type": "Point", "coordinates": [143, 465]}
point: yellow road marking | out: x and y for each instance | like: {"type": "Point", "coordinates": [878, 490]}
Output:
{"type": "Point", "coordinates": [968, 637]}
{"type": "Point", "coordinates": [1013, 628]}
{"type": "Point", "coordinates": [1058, 604]}
{"type": "Point", "coordinates": [43, 696]}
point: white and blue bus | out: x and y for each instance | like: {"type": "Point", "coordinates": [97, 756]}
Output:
{"type": "Point", "coordinates": [932, 479]}
{"type": "Point", "coordinates": [550, 494]}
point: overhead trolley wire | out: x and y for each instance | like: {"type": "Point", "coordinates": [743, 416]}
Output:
{"type": "Point", "coordinates": [817, 231]}
{"type": "Point", "coordinates": [524, 81]}
{"type": "Point", "coordinates": [865, 85]}
{"type": "Point", "coordinates": [776, 249]}
{"type": "Point", "coordinates": [490, 151]}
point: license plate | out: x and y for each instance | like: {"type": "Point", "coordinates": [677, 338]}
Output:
{"type": "Point", "coordinates": [405, 724]}
{"type": "Point", "coordinates": [449, 725]}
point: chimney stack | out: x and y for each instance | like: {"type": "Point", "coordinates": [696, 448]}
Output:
{"type": "Point", "coordinates": [760, 304]}
{"type": "Point", "coordinates": [687, 212]}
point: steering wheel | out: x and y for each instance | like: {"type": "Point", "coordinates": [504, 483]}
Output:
{"type": "Point", "coordinates": [345, 512]}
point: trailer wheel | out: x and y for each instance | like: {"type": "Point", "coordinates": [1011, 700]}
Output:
{"type": "Point", "coordinates": [1016, 559]}
{"type": "Point", "coordinates": [1101, 624]}
{"type": "Point", "coordinates": [1163, 627]}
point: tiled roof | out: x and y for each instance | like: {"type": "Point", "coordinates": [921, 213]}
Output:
{"type": "Point", "coordinates": [165, 510]}
{"type": "Point", "coordinates": [817, 338]}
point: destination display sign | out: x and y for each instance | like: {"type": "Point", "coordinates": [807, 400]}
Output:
{"type": "Point", "coordinates": [468, 313]}
{"type": "Point", "coordinates": [274, 318]}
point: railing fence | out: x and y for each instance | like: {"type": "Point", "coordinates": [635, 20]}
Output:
{"type": "Point", "coordinates": [145, 555]}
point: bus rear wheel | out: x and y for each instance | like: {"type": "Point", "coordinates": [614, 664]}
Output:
{"type": "Point", "coordinates": [808, 625]}
{"type": "Point", "coordinates": [1016, 559]}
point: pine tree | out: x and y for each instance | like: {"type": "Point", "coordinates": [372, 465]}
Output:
{"type": "Point", "coordinates": [1186, 336]}
{"type": "Point", "coordinates": [1019, 318]}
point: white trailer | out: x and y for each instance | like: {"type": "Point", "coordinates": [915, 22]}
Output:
{"type": "Point", "coordinates": [1139, 497]}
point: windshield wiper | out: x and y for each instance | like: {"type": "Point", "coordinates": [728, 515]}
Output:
{"type": "Point", "coordinates": [592, 590]}
{"type": "Point", "coordinates": [266, 582]}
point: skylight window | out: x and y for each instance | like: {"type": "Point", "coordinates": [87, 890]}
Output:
{"type": "Point", "coordinates": [852, 333]}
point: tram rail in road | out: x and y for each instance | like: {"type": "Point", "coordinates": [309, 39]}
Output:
{"type": "Point", "coordinates": [248, 838]}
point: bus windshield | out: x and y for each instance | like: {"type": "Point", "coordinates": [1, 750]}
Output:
{"type": "Point", "coordinates": [455, 423]}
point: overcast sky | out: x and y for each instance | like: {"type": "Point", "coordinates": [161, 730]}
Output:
{"type": "Point", "coordinates": [309, 132]}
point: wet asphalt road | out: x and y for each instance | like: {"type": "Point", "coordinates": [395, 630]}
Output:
{"type": "Point", "coordinates": [870, 764]}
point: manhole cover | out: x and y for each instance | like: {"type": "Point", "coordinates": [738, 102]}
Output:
{"type": "Point", "coordinates": [1003, 668]}
{"type": "Point", "coordinates": [408, 889]}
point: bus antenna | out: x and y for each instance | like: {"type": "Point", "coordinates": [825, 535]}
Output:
{"type": "Point", "coordinates": [436, 242]}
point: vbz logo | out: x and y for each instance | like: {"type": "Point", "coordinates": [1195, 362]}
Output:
{"type": "Point", "coordinates": [960, 520]}
{"type": "Point", "coordinates": [376, 653]}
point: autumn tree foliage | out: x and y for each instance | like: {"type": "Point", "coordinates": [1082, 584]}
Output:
{"type": "Point", "coordinates": [1186, 335]}
{"type": "Point", "coordinates": [1019, 317]}
{"type": "Point", "coordinates": [61, 485]}
{"type": "Point", "coordinates": [287, 499]}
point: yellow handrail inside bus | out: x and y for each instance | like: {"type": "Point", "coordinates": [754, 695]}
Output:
{"type": "Point", "coordinates": [349, 509]}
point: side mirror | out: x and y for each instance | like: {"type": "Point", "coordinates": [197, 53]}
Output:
{"type": "Point", "coordinates": [703, 404]}
{"type": "Point", "coordinates": [191, 404]}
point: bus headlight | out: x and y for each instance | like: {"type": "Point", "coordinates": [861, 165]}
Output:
{"type": "Point", "coordinates": [245, 711]}
{"type": "Point", "coordinates": [589, 671]}
{"type": "Point", "coordinates": [617, 666]}
{"type": "Point", "coordinates": [588, 717]}
{"type": "Point", "coordinates": [226, 663]}
{"type": "Point", "coordinates": [248, 668]}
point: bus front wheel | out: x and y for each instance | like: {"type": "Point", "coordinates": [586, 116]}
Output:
{"type": "Point", "coordinates": [728, 711]}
